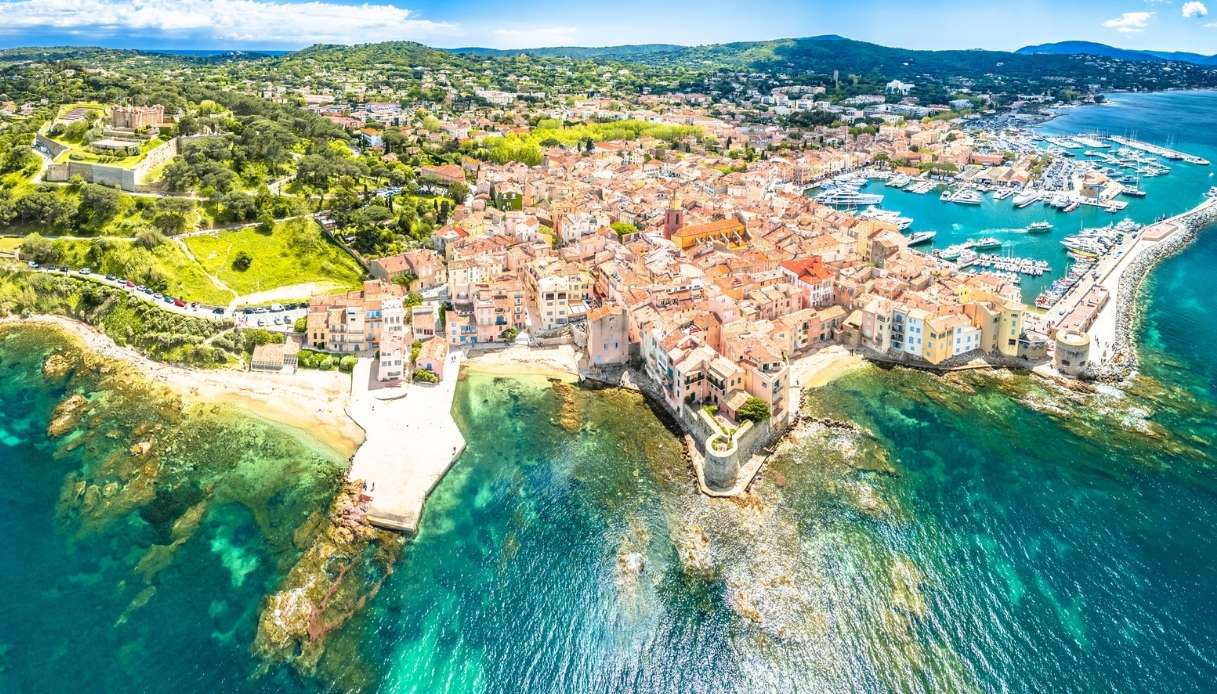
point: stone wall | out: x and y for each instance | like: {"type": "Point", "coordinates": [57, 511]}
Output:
{"type": "Point", "coordinates": [50, 145]}
{"type": "Point", "coordinates": [128, 179]}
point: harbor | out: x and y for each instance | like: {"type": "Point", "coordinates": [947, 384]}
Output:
{"type": "Point", "coordinates": [1123, 179]}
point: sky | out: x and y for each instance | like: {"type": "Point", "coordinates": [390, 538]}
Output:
{"type": "Point", "coordinates": [289, 24]}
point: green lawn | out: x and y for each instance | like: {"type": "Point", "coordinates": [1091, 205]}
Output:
{"type": "Point", "coordinates": [295, 253]}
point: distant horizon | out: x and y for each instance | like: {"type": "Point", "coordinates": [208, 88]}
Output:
{"type": "Point", "coordinates": [288, 25]}
{"type": "Point", "coordinates": [220, 48]}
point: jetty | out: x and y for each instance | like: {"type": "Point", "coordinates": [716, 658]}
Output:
{"type": "Point", "coordinates": [1164, 152]}
{"type": "Point", "coordinates": [411, 442]}
{"type": "Point", "coordinates": [1116, 278]}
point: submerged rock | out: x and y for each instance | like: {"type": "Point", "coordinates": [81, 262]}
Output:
{"type": "Point", "coordinates": [55, 367]}
{"type": "Point", "coordinates": [66, 415]}
{"type": "Point", "coordinates": [344, 566]}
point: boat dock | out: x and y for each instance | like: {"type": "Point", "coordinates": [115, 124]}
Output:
{"type": "Point", "coordinates": [411, 442]}
{"type": "Point", "coordinates": [1163, 152]}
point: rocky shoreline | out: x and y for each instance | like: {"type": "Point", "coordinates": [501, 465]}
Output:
{"type": "Point", "coordinates": [1124, 355]}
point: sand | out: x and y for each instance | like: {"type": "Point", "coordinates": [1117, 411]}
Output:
{"type": "Point", "coordinates": [557, 362]}
{"type": "Point", "coordinates": [309, 402]}
{"type": "Point", "coordinates": [824, 366]}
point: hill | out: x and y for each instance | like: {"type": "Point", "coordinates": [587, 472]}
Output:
{"type": "Point", "coordinates": [1106, 51]}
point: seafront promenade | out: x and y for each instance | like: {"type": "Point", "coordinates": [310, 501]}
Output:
{"type": "Point", "coordinates": [412, 441]}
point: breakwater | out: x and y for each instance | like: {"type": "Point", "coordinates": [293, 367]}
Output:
{"type": "Point", "coordinates": [1124, 354]}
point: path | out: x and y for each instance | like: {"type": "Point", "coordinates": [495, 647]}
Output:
{"type": "Point", "coordinates": [410, 443]}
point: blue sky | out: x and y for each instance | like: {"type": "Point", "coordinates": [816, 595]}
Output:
{"type": "Point", "coordinates": [995, 24]}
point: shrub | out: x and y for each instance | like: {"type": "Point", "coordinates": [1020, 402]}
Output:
{"type": "Point", "coordinates": [425, 376]}
{"type": "Point", "coordinates": [347, 364]}
{"type": "Point", "coordinates": [242, 261]}
{"type": "Point", "coordinates": [753, 410]}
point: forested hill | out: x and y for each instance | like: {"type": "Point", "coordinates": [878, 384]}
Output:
{"type": "Point", "coordinates": [1102, 49]}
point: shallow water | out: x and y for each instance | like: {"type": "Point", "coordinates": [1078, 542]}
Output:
{"type": "Point", "coordinates": [969, 533]}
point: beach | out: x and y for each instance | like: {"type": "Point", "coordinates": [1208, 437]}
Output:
{"type": "Point", "coordinates": [309, 402]}
{"type": "Point", "coordinates": [824, 366]}
{"type": "Point", "coordinates": [558, 362]}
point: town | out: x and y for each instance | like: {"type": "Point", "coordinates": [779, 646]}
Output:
{"type": "Point", "coordinates": [683, 243]}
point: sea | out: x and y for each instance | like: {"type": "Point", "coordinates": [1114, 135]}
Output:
{"type": "Point", "coordinates": [917, 533]}
{"type": "Point", "coordinates": [1182, 121]}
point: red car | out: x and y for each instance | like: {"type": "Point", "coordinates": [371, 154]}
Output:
{"type": "Point", "coordinates": [179, 303]}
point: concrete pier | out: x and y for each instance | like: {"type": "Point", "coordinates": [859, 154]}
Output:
{"type": "Point", "coordinates": [411, 442]}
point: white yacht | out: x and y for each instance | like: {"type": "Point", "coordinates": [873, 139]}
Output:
{"type": "Point", "coordinates": [1026, 198]}
{"type": "Point", "coordinates": [845, 196]}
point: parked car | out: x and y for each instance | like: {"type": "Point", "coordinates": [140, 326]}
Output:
{"type": "Point", "coordinates": [33, 265]}
{"type": "Point", "coordinates": [129, 284]}
{"type": "Point", "coordinates": [179, 303]}
{"type": "Point", "coordinates": [218, 311]}
{"type": "Point", "coordinates": [85, 271]}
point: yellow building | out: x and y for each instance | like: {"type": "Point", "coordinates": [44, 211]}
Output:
{"type": "Point", "coordinates": [730, 231]}
{"type": "Point", "coordinates": [939, 332]}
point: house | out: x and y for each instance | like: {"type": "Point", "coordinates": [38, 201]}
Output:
{"type": "Point", "coordinates": [426, 266]}
{"type": "Point", "coordinates": [812, 278]}
{"type": "Point", "coordinates": [608, 340]}
{"type": "Point", "coordinates": [275, 357]}
{"type": "Point", "coordinates": [446, 174]}
{"type": "Point", "coordinates": [391, 359]}
{"type": "Point", "coordinates": [433, 355]}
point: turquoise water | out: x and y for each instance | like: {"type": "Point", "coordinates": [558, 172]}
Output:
{"type": "Point", "coordinates": [969, 533]}
{"type": "Point", "coordinates": [1183, 119]}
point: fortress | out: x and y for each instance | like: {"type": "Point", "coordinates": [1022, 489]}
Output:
{"type": "Point", "coordinates": [136, 117]}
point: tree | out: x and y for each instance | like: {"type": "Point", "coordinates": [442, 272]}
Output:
{"type": "Point", "coordinates": [623, 228]}
{"type": "Point", "coordinates": [149, 238]}
{"type": "Point", "coordinates": [300, 325]}
{"type": "Point", "coordinates": [425, 376]}
{"type": "Point", "coordinates": [172, 214]}
{"type": "Point", "coordinates": [39, 250]}
{"type": "Point", "coordinates": [242, 261]}
{"type": "Point", "coordinates": [753, 410]}
{"type": "Point", "coordinates": [98, 205]}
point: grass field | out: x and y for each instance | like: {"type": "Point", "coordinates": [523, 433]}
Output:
{"type": "Point", "coordinates": [294, 253]}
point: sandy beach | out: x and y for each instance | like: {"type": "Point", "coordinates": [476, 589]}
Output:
{"type": "Point", "coordinates": [558, 362]}
{"type": "Point", "coordinates": [824, 366]}
{"type": "Point", "coordinates": [311, 402]}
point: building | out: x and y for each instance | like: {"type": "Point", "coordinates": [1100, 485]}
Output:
{"type": "Point", "coordinates": [728, 231]}
{"type": "Point", "coordinates": [608, 335]}
{"type": "Point", "coordinates": [275, 357]}
{"type": "Point", "coordinates": [424, 265]}
{"type": "Point", "coordinates": [1072, 355]}
{"type": "Point", "coordinates": [391, 357]}
{"type": "Point", "coordinates": [354, 322]}
{"type": "Point", "coordinates": [136, 117]}
{"type": "Point", "coordinates": [433, 355]}
{"type": "Point", "coordinates": [812, 278]}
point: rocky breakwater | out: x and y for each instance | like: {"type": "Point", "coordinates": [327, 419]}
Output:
{"type": "Point", "coordinates": [1124, 354]}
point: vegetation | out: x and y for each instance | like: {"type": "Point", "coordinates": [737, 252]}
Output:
{"type": "Point", "coordinates": [753, 410]}
{"type": "Point", "coordinates": [295, 252]}
{"type": "Point", "coordinates": [163, 267]}
{"type": "Point", "coordinates": [425, 376]}
{"type": "Point", "coordinates": [126, 319]}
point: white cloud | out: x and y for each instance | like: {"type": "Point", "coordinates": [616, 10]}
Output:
{"type": "Point", "coordinates": [1130, 22]}
{"type": "Point", "coordinates": [534, 37]}
{"type": "Point", "coordinates": [263, 22]}
{"type": "Point", "coordinates": [1195, 9]}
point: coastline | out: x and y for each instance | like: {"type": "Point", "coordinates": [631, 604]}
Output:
{"type": "Point", "coordinates": [310, 403]}
{"type": "Point", "coordinates": [1119, 325]}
